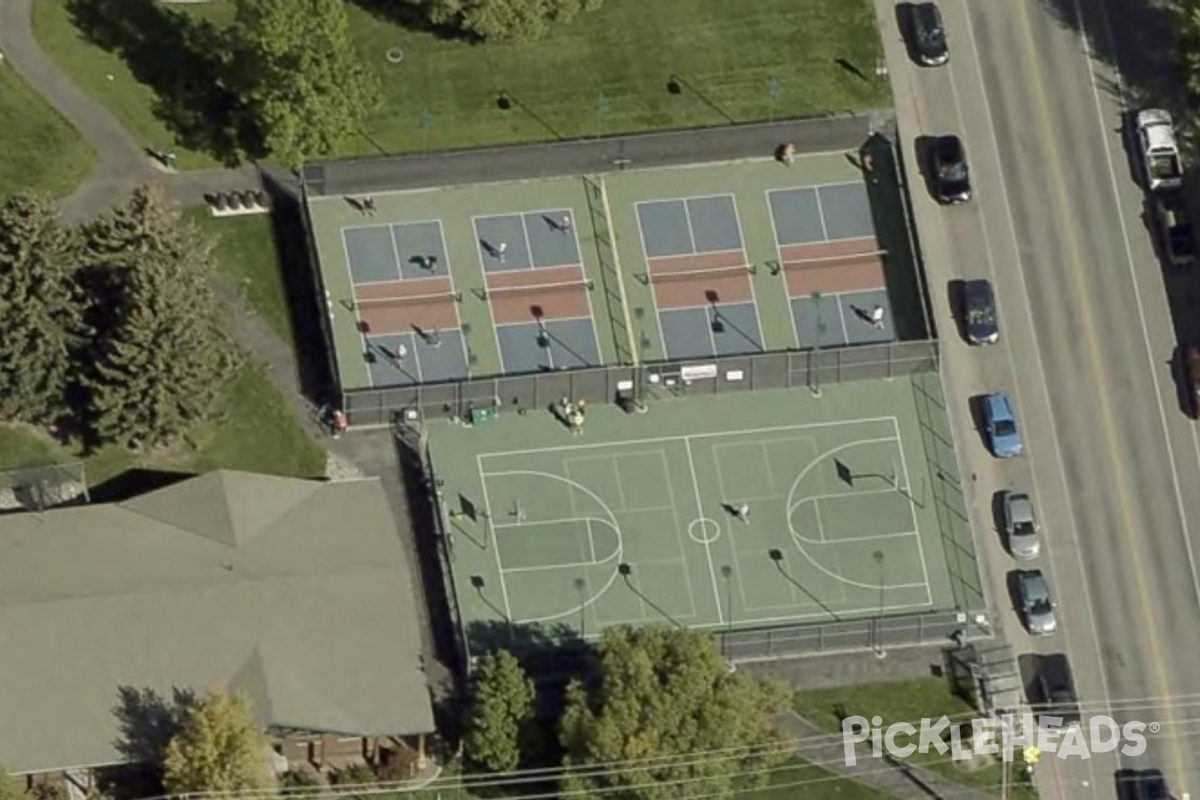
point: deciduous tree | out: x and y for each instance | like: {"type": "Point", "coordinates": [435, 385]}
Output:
{"type": "Point", "coordinates": [160, 356]}
{"type": "Point", "coordinates": [667, 694]}
{"type": "Point", "coordinates": [504, 20]}
{"type": "Point", "coordinates": [298, 75]}
{"type": "Point", "coordinates": [220, 749]}
{"type": "Point", "coordinates": [40, 311]}
{"type": "Point", "coordinates": [501, 705]}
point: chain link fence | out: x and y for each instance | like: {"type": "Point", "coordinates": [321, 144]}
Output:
{"type": "Point", "coordinates": [810, 369]}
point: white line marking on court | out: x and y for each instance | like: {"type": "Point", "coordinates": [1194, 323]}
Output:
{"type": "Point", "coordinates": [820, 457]}
{"type": "Point", "coordinates": [782, 275]}
{"type": "Point", "coordinates": [612, 459]}
{"type": "Point", "coordinates": [820, 525]}
{"type": "Point", "coordinates": [359, 327]}
{"type": "Point", "coordinates": [849, 539]}
{"type": "Point", "coordinates": [687, 214]}
{"type": "Point", "coordinates": [709, 317]}
{"type": "Point", "coordinates": [412, 346]}
{"type": "Point", "coordinates": [534, 523]}
{"type": "Point", "coordinates": [592, 318]}
{"type": "Point", "coordinates": [683, 562]}
{"type": "Point", "coordinates": [908, 488]}
{"type": "Point", "coordinates": [591, 540]}
{"type": "Point", "coordinates": [662, 337]}
{"type": "Point", "coordinates": [487, 505]}
{"type": "Point", "coordinates": [842, 316]}
{"type": "Point", "coordinates": [737, 219]}
{"type": "Point", "coordinates": [707, 549]}
{"type": "Point", "coordinates": [462, 339]}
{"type": "Point", "coordinates": [395, 251]}
{"type": "Point", "coordinates": [528, 244]}
{"type": "Point", "coordinates": [739, 250]}
{"type": "Point", "coordinates": [821, 215]}
{"type": "Point", "coordinates": [718, 434]}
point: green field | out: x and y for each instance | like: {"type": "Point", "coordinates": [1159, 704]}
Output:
{"type": "Point", "coordinates": [42, 152]}
{"type": "Point", "coordinates": [724, 54]}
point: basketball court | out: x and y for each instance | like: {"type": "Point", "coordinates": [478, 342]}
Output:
{"type": "Point", "coordinates": [637, 521]}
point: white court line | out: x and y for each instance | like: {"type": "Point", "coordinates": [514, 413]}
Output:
{"type": "Point", "coordinates": [412, 348]}
{"type": "Point", "coordinates": [612, 458]}
{"type": "Point", "coordinates": [820, 525]}
{"type": "Point", "coordinates": [528, 244]}
{"type": "Point", "coordinates": [718, 434]}
{"type": "Point", "coordinates": [462, 339]}
{"type": "Point", "coordinates": [700, 515]}
{"type": "Point", "coordinates": [821, 215]}
{"type": "Point", "coordinates": [709, 316]}
{"type": "Point", "coordinates": [395, 251]}
{"type": "Point", "coordinates": [782, 275]}
{"type": "Point", "coordinates": [912, 512]}
{"type": "Point", "coordinates": [842, 316]}
{"type": "Point", "coordinates": [475, 218]}
{"type": "Point", "coordinates": [662, 337]}
{"type": "Point", "coordinates": [591, 539]}
{"type": "Point", "coordinates": [545, 567]}
{"type": "Point", "coordinates": [362, 336]}
{"type": "Point", "coordinates": [737, 219]}
{"type": "Point", "coordinates": [687, 214]}
{"type": "Point", "coordinates": [487, 505]}
{"type": "Point", "coordinates": [848, 539]}
{"type": "Point", "coordinates": [528, 524]}
{"type": "Point", "coordinates": [679, 532]}
{"type": "Point", "coordinates": [718, 449]}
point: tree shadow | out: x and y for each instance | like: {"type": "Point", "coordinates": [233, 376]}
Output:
{"type": "Point", "coordinates": [134, 482]}
{"type": "Point", "coordinates": [183, 60]}
{"type": "Point", "coordinates": [148, 721]}
{"type": "Point", "coordinates": [1143, 52]}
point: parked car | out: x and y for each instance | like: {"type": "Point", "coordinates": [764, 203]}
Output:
{"type": "Point", "coordinates": [979, 312]}
{"type": "Point", "coordinates": [951, 175]}
{"type": "Point", "coordinates": [1057, 688]}
{"type": "Point", "coordinates": [1175, 229]}
{"type": "Point", "coordinates": [1161, 164]}
{"type": "Point", "coordinates": [1000, 422]}
{"type": "Point", "coordinates": [1151, 784]}
{"type": "Point", "coordinates": [1189, 357]}
{"type": "Point", "coordinates": [1020, 526]}
{"type": "Point", "coordinates": [928, 35]}
{"type": "Point", "coordinates": [1037, 609]}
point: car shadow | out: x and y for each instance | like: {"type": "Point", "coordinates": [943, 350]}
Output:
{"type": "Point", "coordinates": [954, 299]}
{"type": "Point", "coordinates": [1030, 667]}
{"type": "Point", "coordinates": [975, 404]}
{"type": "Point", "coordinates": [998, 518]}
{"type": "Point", "coordinates": [904, 24]}
{"type": "Point", "coordinates": [1183, 392]}
{"type": "Point", "coordinates": [1129, 143]}
{"type": "Point", "coordinates": [923, 147]}
{"type": "Point", "coordinates": [1126, 784]}
{"type": "Point", "coordinates": [1014, 596]}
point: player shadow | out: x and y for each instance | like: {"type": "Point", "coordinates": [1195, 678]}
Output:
{"type": "Point", "coordinates": [545, 338]}
{"type": "Point", "coordinates": [428, 263]}
{"type": "Point", "coordinates": [722, 324]}
{"type": "Point", "coordinates": [489, 248]}
{"type": "Point", "coordinates": [374, 351]}
{"type": "Point", "coordinates": [557, 225]}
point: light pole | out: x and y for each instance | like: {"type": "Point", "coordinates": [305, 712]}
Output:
{"type": "Point", "coordinates": [880, 652]}
{"type": "Point", "coordinates": [601, 111]}
{"type": "Point", "coordinates": [815, 370]}
{"type": "Point", "coordinates": [425, 123]}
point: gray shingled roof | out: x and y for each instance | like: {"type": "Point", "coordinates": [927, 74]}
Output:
{"type": "Point", "coordinates": [297, 591]}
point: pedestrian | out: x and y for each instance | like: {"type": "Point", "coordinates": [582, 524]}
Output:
{"type": "Point", "coordinates": [565, 224]}
{"type": "Point", "coordinates": [368, 204]}
{"type": "Point", "coordinates": [501, 249]}
{"type": "Point", "coordinates": [877, 317]}
{"type": "Point", "coordinates": [401, 354]}
{"type": "Point", "coordinates": [431, 263]}
{"type": "Point", "coordinates": [576, 422]}
{"type": "Point", "coordinates": [564, 407]}
{"type": "Point", "coordinates": [787, 154]}
{"type": "Point", "coordinates": [581, 406]}
{"type": "Point", "coordinates": [338, 423]}
{"type": "Point", "coordinates": [435, 337]}
{"type": "Point", "coordinates": [743, 512]}
{"type": "Point", "coordinates": [169, 158]}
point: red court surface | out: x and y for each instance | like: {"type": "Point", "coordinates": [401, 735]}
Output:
{"type": "Point", "coordinates": [700, 279]}
{"type": "Point", "coordinates": [840, 266]}
{"type": "Point", "coordinates": [547, 293]}
{"type": "Point", "coordinates": [402, 306]}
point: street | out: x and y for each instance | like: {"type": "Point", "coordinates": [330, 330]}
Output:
{"type": "Point", "coordinates": [1086, 352]}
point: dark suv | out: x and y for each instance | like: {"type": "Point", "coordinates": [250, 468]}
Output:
{"type": "Point", "coordinates": [928, 35]}
{"type": "Point", "coordinates": [979, 312]}
{"type": "Point", "coordinates": [951, 176]}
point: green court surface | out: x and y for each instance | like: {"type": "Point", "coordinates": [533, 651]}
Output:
{"type": "Point", "coordinates": [632, 521]}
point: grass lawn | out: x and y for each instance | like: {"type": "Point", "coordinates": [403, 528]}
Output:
{"type": "Point", "coordinates": [41, 149]}
{"type": "Point", "coordinates": [904, 701]}
{"type": "Point", "coordinates": [252, 431]}
{"type": "Point", "coordinates": [443, 95]}
{"type": "Point", "coordinates": [247, 258]}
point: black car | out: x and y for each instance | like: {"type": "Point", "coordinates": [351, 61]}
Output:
{"type": "Point", "coordinates": [979, 312]}
{"type": "Point", "coordinates": [1059, 698]}
{"type": "Point", "coordinates": [1152, 785]}
{"type": "Point", "coordinates": [928, 35]}
{"type": "Point", "coordinates": [951, 177]}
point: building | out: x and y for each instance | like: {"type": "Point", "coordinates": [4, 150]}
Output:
{"type": "Point", "coordinates": [297, 592]}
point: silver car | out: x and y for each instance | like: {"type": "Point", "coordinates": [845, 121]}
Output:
{"type": "Point", "coordinates": [1020, 526]}
{"type": "Point", "coordinates": [1036, 606]}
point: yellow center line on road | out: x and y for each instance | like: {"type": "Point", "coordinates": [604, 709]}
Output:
{"type": "Point", "coordinates": [1078, 273]}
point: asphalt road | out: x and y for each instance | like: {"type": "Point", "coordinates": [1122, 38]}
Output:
{"type": "Point", "coordinates": [1086, 353]}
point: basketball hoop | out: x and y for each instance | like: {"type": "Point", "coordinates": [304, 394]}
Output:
{"type": "Point", "coordinates": [395, 55]}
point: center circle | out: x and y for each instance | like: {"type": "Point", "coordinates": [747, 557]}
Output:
{"type": "Point", "coordinates": [704, 530]}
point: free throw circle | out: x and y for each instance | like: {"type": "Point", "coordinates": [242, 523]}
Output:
{"type": "Point", "coordinates": [395, 55]}
{"type": "Point", "coordinates": [704, 530]}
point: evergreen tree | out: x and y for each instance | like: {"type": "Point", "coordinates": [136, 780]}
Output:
{"type": "Point", "coordinates": [220, 749]}
{"type": "Point", "coordinates": [40, 313]}
{"type": "Point", "coordinates": [298, 74]}
{"type": "Point", "coordinates": [665, 693]}
{"type": "Point", "coordinates": [160, 357]}
{"type": "Point", "coordinates": [501, 705]}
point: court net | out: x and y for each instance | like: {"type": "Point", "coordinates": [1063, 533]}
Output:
{"type": "Point", "coordinates": [698, 274]}
{"type": "Point", "coordinates": [534, 288]}
{"type": "Point", "coordinates": [869, 257]}
{"type": "Point", "coordinates": [409, 300]}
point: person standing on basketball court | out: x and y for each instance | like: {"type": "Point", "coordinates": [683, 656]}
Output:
{"type": "Point", "coordinates": [743, 512]}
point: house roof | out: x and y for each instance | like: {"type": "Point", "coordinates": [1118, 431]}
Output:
{"type": "Point", "coordinates": [298, 592]}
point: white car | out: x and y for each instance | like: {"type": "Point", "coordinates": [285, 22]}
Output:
{"type": "Point", "coordinates": [1159, 149]}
